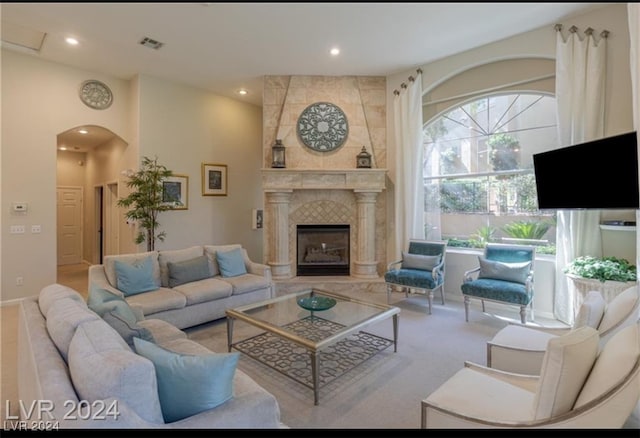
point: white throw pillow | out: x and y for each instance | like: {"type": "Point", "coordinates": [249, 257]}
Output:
{"type": "Point", "coordinates": [419, 261]}
{"type": "Point", "coordinates": [614, 362]}
{"type": "Point", "coordinates": [565, 367]}
{"type": "Point", "coordinates": [619, 309]}
{"type": "Point", "coordinates": [591, 310]}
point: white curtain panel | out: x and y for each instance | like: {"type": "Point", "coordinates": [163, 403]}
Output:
{"type": "Point", "coordinates": [633, 12]}
{"type": "Point", "coordinates": [409, 211]}
{"type": "Point", "coordinates": [580, 80]}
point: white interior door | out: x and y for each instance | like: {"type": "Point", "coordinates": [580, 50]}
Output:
{"type": "Point", "coordinates": [69, 228]}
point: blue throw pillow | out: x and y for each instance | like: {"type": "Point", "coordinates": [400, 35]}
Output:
{"type": "Point", "coordinates": [189, 384]}
{"type": "Point", "coordinates": [116, 312]}
{"type": "Point", "coordinates": [98, 295]}
{"type": "Point", "coordinates": [516, 272]}
{"type": "Point", "coordinates": [121, 308]}
{"type": "Point", "coordinates": [188, 270]}
{"type": "Point", "coordinates": [135, 278]}
{"type": "Point", "coordinates": [126, 328]}
{"type": "Point", "coordinates": [231, 263]}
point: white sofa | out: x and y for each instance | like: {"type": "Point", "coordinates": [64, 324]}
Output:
{"type": "Point", "coordinates": [193, 302]}
{"type": "Point", "coordinates": [76, 371]}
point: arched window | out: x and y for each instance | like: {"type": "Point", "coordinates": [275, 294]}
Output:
{"type": "Point", "coordinates": [478, 171]}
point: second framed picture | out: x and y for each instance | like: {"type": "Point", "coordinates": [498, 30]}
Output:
{"type": "Point", "coordinates": [175, 192]}
{"type": "Point", "coordinates": [214, 179]}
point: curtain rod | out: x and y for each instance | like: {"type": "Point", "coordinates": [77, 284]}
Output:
{"type": "Point", "coordinates": [588, 31]}
{"type": "Point", "coordinates": [410, 79]}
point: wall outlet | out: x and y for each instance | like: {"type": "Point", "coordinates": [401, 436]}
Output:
{"type": "Point", "coordinates": [19, 281]}
{"type": "Point", "coordinates": [36, 229]}
{"type": "Point", "coordinates": [17, 229]}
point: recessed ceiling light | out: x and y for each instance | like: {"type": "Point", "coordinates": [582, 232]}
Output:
{"type": "Point", "coordinates": [63, 148]}
{"type": "Point", "coordinates": [335, 51]}
{"type": "Point", "coordinates": [243, 92]}
{"type": "Point", "coordinates": [83, 131]}
{"type": "Point", "coordinates": [72, 41]}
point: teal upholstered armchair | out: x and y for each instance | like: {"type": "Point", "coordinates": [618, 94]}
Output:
{"type": "Point", "coordinates": [421, 269]}
{"type": "Point", "coordinates": [504, 275]}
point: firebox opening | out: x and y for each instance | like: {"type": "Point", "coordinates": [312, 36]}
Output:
{"type": "Point", "coordinates": [322, 250]}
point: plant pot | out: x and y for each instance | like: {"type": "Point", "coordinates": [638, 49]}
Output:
{"type": "Point", "coordinates": [609, 289]}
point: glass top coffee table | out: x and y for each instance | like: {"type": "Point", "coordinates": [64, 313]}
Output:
{"type": "Point", "coordinates": [313, 341]}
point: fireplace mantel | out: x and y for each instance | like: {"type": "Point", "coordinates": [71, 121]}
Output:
{"type": "Point", "coordinates": [309, 179]}
{"type": "Point", "coordinates": [279, 185]}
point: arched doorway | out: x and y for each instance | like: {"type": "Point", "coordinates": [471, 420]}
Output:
{"type": "Point", "coordinates": [89, 160]}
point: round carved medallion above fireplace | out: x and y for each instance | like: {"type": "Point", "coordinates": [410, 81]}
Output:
{"type": "Point", "coordinates": [323, 127]}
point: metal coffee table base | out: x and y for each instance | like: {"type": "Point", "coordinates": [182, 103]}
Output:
{"type": "Point", "coordinates": [346, 352]}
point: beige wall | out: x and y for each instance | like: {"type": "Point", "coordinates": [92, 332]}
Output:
{"type": "Point", "coordinates": [39, 101]}
{"type": "Point", "coordinates": [183, 126]}
{"type": "Point", "coordinates": [70, 168]}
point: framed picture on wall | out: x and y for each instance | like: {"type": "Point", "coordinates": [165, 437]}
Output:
{"type": "Point", "coordinates": [175, 192]}
{"type": "Point", "coordinates": [214, 179]}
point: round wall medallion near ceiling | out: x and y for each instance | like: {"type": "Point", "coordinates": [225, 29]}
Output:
{"type": "Point", "coordinates": [323, 127]}
{"type": "Point", "coordinates": [96, 94]}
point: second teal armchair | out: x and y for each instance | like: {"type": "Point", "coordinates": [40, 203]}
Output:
{"type": "Point", "coordinates": [504, 275]}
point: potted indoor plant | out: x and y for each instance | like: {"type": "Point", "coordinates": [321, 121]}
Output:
{"type": "Point", "coordinates": [609, 275]}
{"type": "Point", "coordinates": [602, 268]}
{"type": "Point", "coordinates": [146, 200]}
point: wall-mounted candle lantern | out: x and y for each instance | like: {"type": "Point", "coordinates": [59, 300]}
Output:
{"type": "Point", "coordinates": [277, 155]}
{"type": "Point", "coordinates": [363, 159]}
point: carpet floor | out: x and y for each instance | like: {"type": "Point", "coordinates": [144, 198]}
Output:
{"type": "Point", "coordinates": [385, 391]}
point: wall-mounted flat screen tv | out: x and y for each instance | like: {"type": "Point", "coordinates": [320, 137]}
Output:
{"type": "Point", "coordinates": [598, 174]}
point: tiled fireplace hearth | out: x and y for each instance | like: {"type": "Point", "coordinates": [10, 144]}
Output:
{"type": "Point", "coordinates": [321, 197]}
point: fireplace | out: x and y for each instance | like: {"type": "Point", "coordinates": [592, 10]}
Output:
{"type": "Point", "coordinates": [320, 196]}
{"type": "Point", "coordinates": [322, 249]}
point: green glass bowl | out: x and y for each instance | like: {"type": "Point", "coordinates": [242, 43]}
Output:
{"type": "Point", "coordinates": [316, 303]}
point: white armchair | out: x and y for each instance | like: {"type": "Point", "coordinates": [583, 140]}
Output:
{"type": "Point", "coordinates": [577, 388]}
{"type": "Point", "coordinates": [520, 349]}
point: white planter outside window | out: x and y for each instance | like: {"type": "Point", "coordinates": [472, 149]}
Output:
{"type": "Point", "coordinates": [609, 289]}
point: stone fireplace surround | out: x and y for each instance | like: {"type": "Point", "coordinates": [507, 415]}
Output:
{"type": "Point", "coordinates": [321, 196]}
